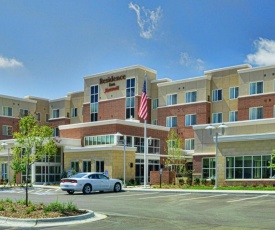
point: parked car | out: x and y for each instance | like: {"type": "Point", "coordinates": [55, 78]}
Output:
{"type": "Point", "coordinates": [88, 182]}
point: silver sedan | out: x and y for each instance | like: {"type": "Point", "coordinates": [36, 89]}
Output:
{"type": "Point", "coordinates": [88, 182]}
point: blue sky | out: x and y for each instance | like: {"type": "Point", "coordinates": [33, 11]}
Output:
{"type": "Point", "coordinates": [47, 46]}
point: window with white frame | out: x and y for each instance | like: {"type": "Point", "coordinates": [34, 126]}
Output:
{"type": "Point", "coordinates": [23, 112]}
{"type": "Point", "coordinates": [208, 168]}
{"type": "Point", "coordinates": [56, 132]}
{"type": "Point", "coordinates": [190, 119]}
{"type": "Point", "coordinates": [7, 111]}
{"type": "Point", "coordinates": [130, 97]}
{"type": "Point", "coordinates": [191, 96]}
{"type": "Point", "coordinates": [73, 112]}
{"type": "Point", "coordinates": [75, 166]}
{"type": "Point", "coordinates": [6, 130]}
{"type": "Point", "coordinates": [155, 122]}
{"type": "Point", "coordinates": [249, 167]}
{"type": "Point", "coordinates": [256, 87]}
{"type": "Point", "coordinates": [255, 113]}
{"type": "Point", "coordinates": [217, 95]}
{"type": "Point", "coordinates": [171, 122]}
{"type": "Point", "coordinates": [155, 103]}
{"type": "Point", "coordinates": [216, 117]}
{"type": "Point", "coordinates": [233, 116]}
{"type": "Point", "coordinates": [4, 167]}
{"type": "Point", "coordinates": [171, 99]}
{"type": "Point", "coordinates": [233, 92]}
{"type": "Point", "coordinates": [55, 113]}
{"type": "Point", "coordinates": [94, 103]}
{"type": "Point", "coordinates": [189, 144]}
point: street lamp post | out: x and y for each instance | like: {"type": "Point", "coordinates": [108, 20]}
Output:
{"type": "Point", "coordinates": [124, 158]}
{"type": "Point", "coordinates": [4, 144]}
{"type": "Point", "coordinates": [211, 128]}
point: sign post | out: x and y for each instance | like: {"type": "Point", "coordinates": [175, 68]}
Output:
{"type": "Point", "coordinates": [160, 174]}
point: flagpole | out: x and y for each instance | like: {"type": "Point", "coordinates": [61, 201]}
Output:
{"type": "Point", "coordinates": [145, 154]}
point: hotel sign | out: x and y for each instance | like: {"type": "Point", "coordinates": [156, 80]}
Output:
{"type": "Point", "coordinates": [111, 80]}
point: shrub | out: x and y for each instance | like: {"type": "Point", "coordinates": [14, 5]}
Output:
{"type": "Point", "coordinates": [203, 181]}
{"type": "Point", "coordinates": [63, 174]}
{"type": "Point", "coordinates": [197, 181]}
{"type": "Point", "coordinates": [181, 181]}
{"type": "Point", "coordinates": [189, 181]}
{"type": "Point", "coordinates": [212, 181]}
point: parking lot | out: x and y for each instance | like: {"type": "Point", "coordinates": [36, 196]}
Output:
{"type": "Point", "coordinates": [165, 210]}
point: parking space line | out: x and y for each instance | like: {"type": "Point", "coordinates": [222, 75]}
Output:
{"type": "Point", "coordinates": [248, 198]}
{"type": "Point", "coordinates": [139, 194]}
{"type": "Point", "coordinates": [203, 197]}
{"type": "Point", "coordinates": [180, 194]}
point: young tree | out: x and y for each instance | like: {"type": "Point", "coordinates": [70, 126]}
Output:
{"type": "Point", "coordinates": [174, 151]}
{"type": "Point", "coordinates": [33, 143]}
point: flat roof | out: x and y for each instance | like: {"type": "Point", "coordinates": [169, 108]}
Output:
{"type": "Point", "coordinates": [243, 66]}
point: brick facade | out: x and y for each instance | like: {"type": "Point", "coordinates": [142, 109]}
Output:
{"type": "Point", "coordinates": [167, 177]}
{"type": "Point", "coordinates": [267, 101]}
{"type": "Point", "coordinates": [9, 121]}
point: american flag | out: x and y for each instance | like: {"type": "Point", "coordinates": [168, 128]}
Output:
{"type": "Point", "coordinates": [143, 110]}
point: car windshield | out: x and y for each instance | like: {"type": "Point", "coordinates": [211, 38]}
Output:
{"type": "Point", "coordinates": [79, 175]}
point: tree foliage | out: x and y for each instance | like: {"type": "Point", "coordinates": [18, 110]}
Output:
{"type": "Point", "coordinates": [32, 144]}
{"type": "Point", "coordinates": [174, 151]}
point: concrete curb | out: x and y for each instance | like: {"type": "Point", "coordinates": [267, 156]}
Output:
{"type": "Point", "coordinates": [17, 222]}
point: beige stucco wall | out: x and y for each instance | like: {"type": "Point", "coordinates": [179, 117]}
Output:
{"type": "Point", "coordinates": [113, 161]}
{"type": "Point", "coordinates": [17, 104]}
{"type": "Point", "coordinates": [131, 72]}
{"type": "Point", "coordinates": [63, 105]}
{"type": "Point", "coordinates": [200, 85]}
{"type": "Point", "coordinates": [266, 74]}
{"type": "Point", "coordinates": [76, 101]}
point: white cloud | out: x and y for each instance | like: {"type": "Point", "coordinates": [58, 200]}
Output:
{"type": "Point", "coordinates": [9, 63]}
{"type": "Point", "coordinates": [188, 61]}
{"type": "Point", "coordinates": [264, 54]}
{"type": "Point", "coordinates": [147, 19]}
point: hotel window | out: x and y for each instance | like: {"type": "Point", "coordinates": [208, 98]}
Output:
{"type": "Point", "coordinates": [233, 92]}
{"type": "Point", "coordinates": [217, 95]}
{"type": "Point", "coordinates": [155, 103]}
{"type": "Point", "coordinates": [255, 113]}
{"type": "Point", "coordinates": [99, 166]}
{"type": "Point", "coordinates": [38, 116]}
{"type": "Point", "coordinates": [155, 122]}
{"type": "Point", "coordinates": [189, 144]}
{"type": "Point", "coordinates": [56, 132]}
{"type": "Point", "coordinates": [171, 122]}
{"type": "Point", "coordinates": [55, 113]}
{"type": "Point", "coordinates": [23, 112]}
{"type": "Point", "coordinates": [73, 112]}
{"type": "Point", "coordinates": [47, 117]}
{"type": "Point", "coordinates": [87, 166]}
{"type": "Point", "coordinates": [171, 99]}
{"type": "Point", "coordinates": [94, 103]}
{"type": "Point", "coordinates": [256, 87]}
{"type": "Point", "coordinates": [75, 166]}
{"type": "Point", "coordinates": [4, 171]}
{"type": "Point", "coordinates": [233, 116]}
{"type": "Point", "coordinates": [249, 167]}
{"type": "Point", "coordinates": [208, 168]}
{"type": "Point", "coordinates": [7, 111]}
{"type": "Point", "coordinates": [6, 130]}
{"type": "Point", "coordinates": [217, 118]}
{"type": "Point", "coordinates": [191, 96]}
{"type": "Point", "coordinates": [130, 97]}
{"type": "Point", "coordinates": [190, 119]}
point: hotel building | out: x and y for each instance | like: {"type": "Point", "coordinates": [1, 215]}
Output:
{"type": "Point", "coordinates": [97, 128]}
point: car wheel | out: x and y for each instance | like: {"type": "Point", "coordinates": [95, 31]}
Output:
{"type": "Point", "coordinates": [117, 187]}
{"type": "Point", "coordinates": [70, 192]}
{"type": "Point", "coordinates": [87, 189]}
